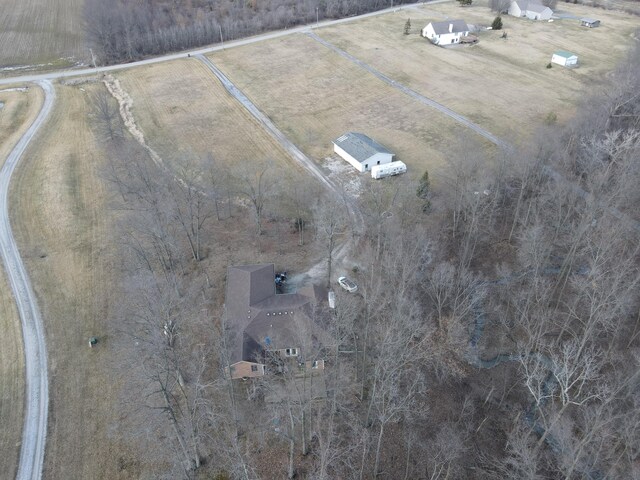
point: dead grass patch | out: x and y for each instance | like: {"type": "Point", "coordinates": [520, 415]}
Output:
{"type": "Point", "coordinates": [58, 216]}
{"type": "Point", "coordinates": [186, 114]}
{"type": "Point", "coordinates": [314, 95]}
{"type": "Point", "coordinates": [501, 84]}
{"type": "Point", "coordinates": [17, 114]}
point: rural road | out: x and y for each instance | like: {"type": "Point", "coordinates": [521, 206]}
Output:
{"type": "Point", "coordinates": [34, 431]}
{"type": "Point", "coordinates": [201, 51]}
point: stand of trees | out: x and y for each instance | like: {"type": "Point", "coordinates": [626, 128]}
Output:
{"type": "Point", "coordinates": [494, 337]}
{"type": "Point", "coordinates": [123, 31]}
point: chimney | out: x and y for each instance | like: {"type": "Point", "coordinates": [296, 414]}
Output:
{"type": "Point", "coordinates": [451, 28]}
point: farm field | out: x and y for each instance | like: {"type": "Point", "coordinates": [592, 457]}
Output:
{"type": "Point", "coordinates": [314, 95]}
{"type": "Point", "coordinates": [19, 109]}
{"type": "Point", "coordinates": [58, 217]}
{"type": "Point", "coordinates": [42, 34]}
{"type": "Point", "coordinates": [186, 115]}
{"type": "Point", "coordinates": [501, 84]}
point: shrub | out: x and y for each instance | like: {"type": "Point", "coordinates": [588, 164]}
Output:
{"type": "Point", "coordinates": [549, 65]}
{"type": "Point", "coordinates": [497, 23]}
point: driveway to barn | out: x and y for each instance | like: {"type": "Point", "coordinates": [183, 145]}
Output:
{"type": "Point", "coordinates": [34, 431]}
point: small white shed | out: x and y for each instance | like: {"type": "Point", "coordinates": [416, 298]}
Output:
{"type": "Point", "coordinates": [361, 151]}
{"type": "Point", "coordinates": [564, 58]}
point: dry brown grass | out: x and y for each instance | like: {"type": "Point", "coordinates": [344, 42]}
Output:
{"type": "Point", "coordinates": [500, 84]}
{"type": "Point", "coordinates": [19, 111]}
{"type": "Point", "coordinates": [11, 382]}
{"type": "Point", "coordinates": [314, 95]}
{"type": "Point", "coordinates": [59, 219]}
{"type": "Point", "coordinates": [41, 32]}
{"type": "Point", "coordinates": [185, 114]}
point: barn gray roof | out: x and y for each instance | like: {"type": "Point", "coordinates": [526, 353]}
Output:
{"type": "Point", "coordinates": [259, 319]}
{"type": "Point", "coordinates": [589, 20]}
{"type": "Point", "coordinates": [359, 146]}
{"type": "Point", "coordinates": [441, 28]}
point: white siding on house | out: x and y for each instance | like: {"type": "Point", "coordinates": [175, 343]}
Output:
{"type": "Point", "coordinates": [365, 165]}
{"type": "Point", "coordinates": [442, 39]}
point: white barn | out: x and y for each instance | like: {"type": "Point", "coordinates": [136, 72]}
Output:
{"type": "Point", "coordinates": [361, 151]}
{"type": "Point", "coordinates": [530, 9]}
{"type": "Point", "coordinates": [446, 32]}
{"type": "Point", "coordinates": [564, 58]}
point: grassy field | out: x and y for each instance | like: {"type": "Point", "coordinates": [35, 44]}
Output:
{"type": "Point", "coordinates": [501, 84]}
{"type": "Point", "coordinates": [185, 115]}
{"type": "Point", "coordinates": [314, 96]}
{"type": "Point", "coordinates": [58, 216]}
{"type": "Point", "coordinates": [18, 112]}
{"type": "Point", "coordinates": [41, 32]}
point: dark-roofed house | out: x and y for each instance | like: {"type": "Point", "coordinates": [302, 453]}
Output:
{"type": "Point", "coordinates": [589, 22]}
{"type": "Point", "coordinates": [262, 322]}
{"type": "Point", "coordinates": [531, 9]}
{"type": "Point", "coordinates": [361, 151]}
{"type": "Point", "coordinates": [446, 32]}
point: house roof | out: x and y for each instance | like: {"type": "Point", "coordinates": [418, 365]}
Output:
{"type": "Point", "coordinates": [536, 7]}
{"type": "Point", "coordinates": [443, 27]}
{"type": "Point", "coordinates": [530, 5]}
{"type": "Point", "coordinates": [589, 20]}
{"type": "Point", "coordinates": [564, 53]}
{"type": "Point", "coordinates": [359, 146]}
{"type": "Point", "coordinates": [259, 319]}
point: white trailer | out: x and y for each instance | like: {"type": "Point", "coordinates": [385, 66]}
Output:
{"type": "Point", "coordinates": [393, 168]}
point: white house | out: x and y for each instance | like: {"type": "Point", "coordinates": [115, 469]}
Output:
{"type": "Point", "coordinates": [564, 58]}
{"type": "Point", "coordinates": [361, 152]}
{"type": "Point", "coordinates": [446, 32]}
{"type": "Point", "coordinates": [530, 9]}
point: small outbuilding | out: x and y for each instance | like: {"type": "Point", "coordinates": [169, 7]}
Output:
{"type": "Point", "coordinates": [361, 151]}
{"type": "Point", "coordinates": [531, 9]}
{"type": "Point", "coordinates": [564, 58]}
{"type": "Point", "coordinates": [446, 32]}
{"type": "Point", "coordinates": [589, 22]}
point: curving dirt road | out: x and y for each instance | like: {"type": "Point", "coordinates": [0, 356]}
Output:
{"type": "Point", "coordinates": [34, 431]}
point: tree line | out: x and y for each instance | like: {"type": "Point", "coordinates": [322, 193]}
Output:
{"type": "Point", "coordinates": [123, 31]}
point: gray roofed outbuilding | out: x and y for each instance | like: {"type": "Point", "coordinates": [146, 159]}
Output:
{"type": "Point", "coordinates": [359, 146]}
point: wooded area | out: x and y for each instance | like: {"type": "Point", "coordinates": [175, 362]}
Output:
{"type": "Point", "coordinates": [496, 333]}
{"type": "Point", "coordinates": [122, 31]}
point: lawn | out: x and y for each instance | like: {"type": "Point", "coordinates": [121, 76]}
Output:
{"type": "Point", "coordinates": [186, 115]}
{"type": "Point", "coordinates": [501, 84]}
{"type": "Point", "coordinates": [314, 95]}
{"type": "Point", "coordinates": [44, 33]}
{"type": "Point", "coordinates": [58, 214]}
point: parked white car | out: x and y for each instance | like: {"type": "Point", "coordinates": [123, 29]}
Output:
{"type": "Point", "coordinates": [347, 284]}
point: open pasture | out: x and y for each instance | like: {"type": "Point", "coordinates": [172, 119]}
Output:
{"type": "Point", "coordinates": [314, 95]}
{"type": "Point", "coordinates": [501, 84]}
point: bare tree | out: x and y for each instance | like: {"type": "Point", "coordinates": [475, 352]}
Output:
{"type": "Point", "coordinates": [257, 184]}
{"type": "Point", "coordinates": [330, 218]}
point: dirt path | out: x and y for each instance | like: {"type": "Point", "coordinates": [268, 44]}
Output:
{"type": "Point", "coordinates": [286, 144]}
{"type": "Point", "coordinates": [37, 389]}
{"type": "Point", "coordinates": [408, 91]}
